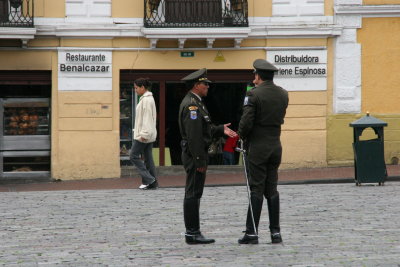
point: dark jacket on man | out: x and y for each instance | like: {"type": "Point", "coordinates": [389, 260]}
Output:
{"type": "Point", "coordinates": [263, 112]}
{"type": "Point", "coordinates": [197, 132]}
{"type": "Point", "coordinates": [196, 128]}
{"type": "Point", "coordinates": [260, 126]}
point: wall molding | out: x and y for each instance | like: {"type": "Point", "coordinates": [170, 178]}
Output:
{"type": "Point", "coordinates": [368, 10]}
{"type": "Point", "coordinates": [310, 27]}
{"type": "Point", "coordinates": [23, 34]}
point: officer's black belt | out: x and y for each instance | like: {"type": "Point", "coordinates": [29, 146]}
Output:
{"type": "Point", "coordinates": [271, 130]}
{"type": "Point", "coordinates": [184, 142]}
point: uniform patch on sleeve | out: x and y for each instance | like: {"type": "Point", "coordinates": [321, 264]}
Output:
{"type": "Point", "coordinates": [246, 101]}
{"type": "Point", "coordinates": [193, 108]}
{"type": "Point", "coordinates": [193, 114]}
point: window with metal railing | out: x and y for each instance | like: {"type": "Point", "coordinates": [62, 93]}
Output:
{"type": "Point", "coordinates": [16, 13]}
{"type": "Point", "coordinates": [195, 13]}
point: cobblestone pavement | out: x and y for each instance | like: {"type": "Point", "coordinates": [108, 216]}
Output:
{"type": "Point", "coordinates": [322, 225]}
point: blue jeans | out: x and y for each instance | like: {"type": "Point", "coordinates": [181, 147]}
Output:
{"type": "Point", "coordinates": [146, 168]}
{"type": "Point", "coordinates": [229, 158]}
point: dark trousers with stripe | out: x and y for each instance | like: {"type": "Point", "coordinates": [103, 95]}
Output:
{"type": "Point", "coordinates": [193, 192]}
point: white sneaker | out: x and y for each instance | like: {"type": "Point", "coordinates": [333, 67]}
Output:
{"type": "Point", "coordinates": [143, 186]}
{"type": "Point", "coordinates": [151, 186]}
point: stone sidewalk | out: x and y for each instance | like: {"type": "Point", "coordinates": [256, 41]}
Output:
{"type": "Point", "coordinates": [322, 225]}
{"type": "Point", "coordinates": [216, 176]}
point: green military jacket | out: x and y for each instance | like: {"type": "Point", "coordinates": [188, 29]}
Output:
{"type": "Point", "coordinates": [264, 110]}
{"type": "Point", "coordinates": [196, 128]}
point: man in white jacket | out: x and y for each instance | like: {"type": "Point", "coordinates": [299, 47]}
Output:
{"type": "Point", "coordinates": [145, 133]}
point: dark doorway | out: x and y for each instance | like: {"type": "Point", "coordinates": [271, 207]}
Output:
{"type": "Point", "coordinates": [224, 101]}
{"type": "Point", "coordinates": [175, 92]}
{"type": "Point", "coordinates": [128, 101]}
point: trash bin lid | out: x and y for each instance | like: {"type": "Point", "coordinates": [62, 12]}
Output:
{"type": "Point", "coordinates": [368, 121]}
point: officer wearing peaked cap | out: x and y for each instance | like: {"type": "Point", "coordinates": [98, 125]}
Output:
{"type": "Point", "coordinates": [197, 131]}
{"type": "Point", "coordinates": [260, 127]}
{"type": "Point", "coordinates": [263, 65]}
{"type": "Point", "coordinates": [197, 76]}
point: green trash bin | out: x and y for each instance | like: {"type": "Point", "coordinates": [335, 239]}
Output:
{"type": "Point", "coordinates": [369, 157]}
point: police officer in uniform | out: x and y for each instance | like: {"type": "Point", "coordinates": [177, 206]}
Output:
{"type": "Point", "coordinates": [260, 127]}
{"type": "Point", "coordinates": [197, 132]}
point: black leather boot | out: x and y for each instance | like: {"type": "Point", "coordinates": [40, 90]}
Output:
{"type": "Point", "coordinates": [248, 239]}
{"type": "Point", "coordinates": [195, 238]}
{"type": "Point", "coordinates": [250, 236]}
{"type": "Point", "coordinates": [273, 212]}
{"type": "Point", "coordinates": [193, 235]}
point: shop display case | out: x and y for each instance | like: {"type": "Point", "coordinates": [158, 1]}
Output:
{"type": "Point", "coordinates": [25, 137]}
{"type": "Point", "coordinates": [127, 110]}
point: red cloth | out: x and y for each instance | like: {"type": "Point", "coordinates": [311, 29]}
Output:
{"type": "Point", "coordinates": [230, 144]}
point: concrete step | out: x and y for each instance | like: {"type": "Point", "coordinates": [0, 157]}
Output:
{"type": "Point", "coordinates": [130, 171]}
{"type": "Point", "coordinates": [24, 180]}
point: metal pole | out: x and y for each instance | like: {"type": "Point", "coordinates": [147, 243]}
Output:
{"type": "Point", "coordinates": [243, 151]}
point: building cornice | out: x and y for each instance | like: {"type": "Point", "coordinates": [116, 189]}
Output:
{"type": "Point", "coordinates": [294, 27]}
{"type": "Point", "coordinates": [296, 31]}
{"type": "Point", "coordinates": [260, 27]}
{"type": "Point", "coordinates": [368, 10]}
{"type": "Point", "coordinates": [24, 34]}
{"type": "Point", "coordinates": [105, 31]}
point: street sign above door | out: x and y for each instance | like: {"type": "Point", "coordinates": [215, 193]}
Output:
{"type": "Point", "coordinates": [187, 54]}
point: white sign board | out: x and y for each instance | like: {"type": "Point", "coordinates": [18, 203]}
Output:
{"type": "Point", "coordinates": [85, 70]}
{"type": "Point", "coordinates": [300, 70]}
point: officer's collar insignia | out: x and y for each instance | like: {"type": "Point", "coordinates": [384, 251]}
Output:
{"type": "Point", "coordinates": [193, 108]}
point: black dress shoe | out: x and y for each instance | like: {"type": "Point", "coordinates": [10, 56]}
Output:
{"type": "Point", "coordinates": [276, 238]}
{"type": "Point", "coordinates": [197, 238]}
{"type": "Point", "coordinates": [249, 239]}
{"type": "Point", "coordinates": [153, 185]}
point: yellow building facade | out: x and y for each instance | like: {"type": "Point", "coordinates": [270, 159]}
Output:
{"type": "Point", "coordinates": [337, 59]}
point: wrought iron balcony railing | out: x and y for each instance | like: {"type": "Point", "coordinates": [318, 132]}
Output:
{"type": "Point", "coordinates": [16, 13]}
{"type": "Point", "coordinates": [195, 13]}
